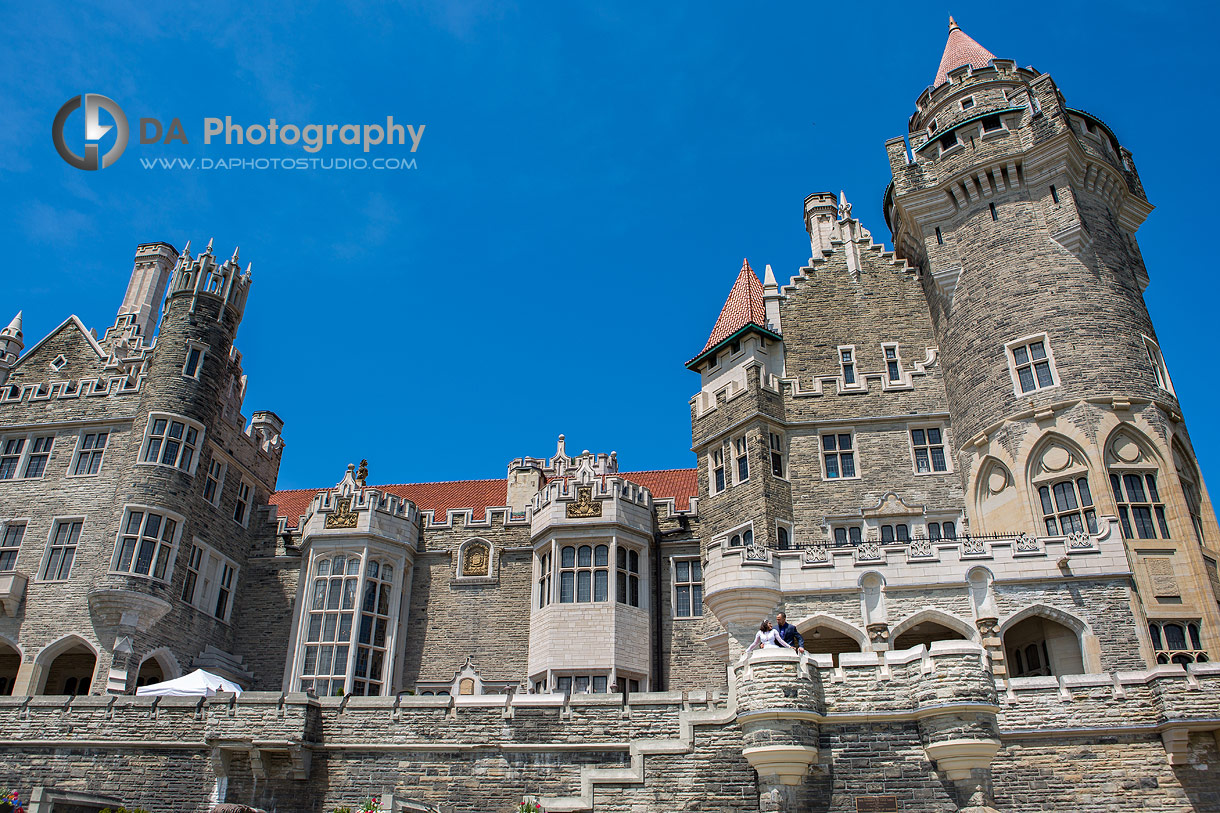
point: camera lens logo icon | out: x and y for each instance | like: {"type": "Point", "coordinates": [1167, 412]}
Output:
{"type": "Point", "coordinates": [94, 130]}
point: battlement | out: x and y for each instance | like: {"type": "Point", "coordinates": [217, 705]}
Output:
{"type": "Point", "coordinates": [351, 508]}
{"type": "Point", "coordinates": [202, 276]}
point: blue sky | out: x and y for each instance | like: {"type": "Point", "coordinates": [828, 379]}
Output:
{"type": "Point", "coordinates": [588, 182]}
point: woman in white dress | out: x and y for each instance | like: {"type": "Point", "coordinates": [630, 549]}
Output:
{"type": "Point", "coordinates": [766, 638]}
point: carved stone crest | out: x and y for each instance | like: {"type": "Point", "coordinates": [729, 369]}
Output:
{"type": "Point", "coordinates": [1079, 540]}
{"type": "Point", "coordinates": [920, 548]}
{"type": "Point", "coordinates": [816, 555]}
{"type": "Point", "coordinates": [878, 633]}
{"type": "Point", "coordinates": [1027, 543]}
{"type": "Point", "coordinates": [973, 546]}
{"type": "Point", "coordinates": [869, 551]}
{"type": "Point", "coordinates": [757, 553]}
{"type": "Point", "coordinates": [342, 516]}
{"type": "Point", "coordinates": [476, 560]}
{"type": "Point", "coordinates": [584, 506]}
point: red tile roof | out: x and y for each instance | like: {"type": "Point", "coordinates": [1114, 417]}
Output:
{"type": "Point", "coordinates": [478, 495]}
{"type": "Point", "coordinates": [960, 50]}
{"type": "Point", "coordinates": [744, 306]}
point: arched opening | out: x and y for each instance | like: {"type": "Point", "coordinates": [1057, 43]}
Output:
{"type": "Point", "coordinates": [1039, 646]}
{"type": "Point", "coordinates": [10, 661]}
{"type": "Point", "coordinates": [826, 640]}
{"type": "Point", "coordinates": [925, 632]}
{"type": "Point", "coordinates": [150, 672]}
{"type": "Point", "coordinates": [71, 672]}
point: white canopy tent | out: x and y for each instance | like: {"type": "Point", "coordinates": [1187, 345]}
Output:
{"type": "Point", "coordinates": [197, 684]}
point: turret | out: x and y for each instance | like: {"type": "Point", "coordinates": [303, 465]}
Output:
{"type": "Point", "coordinates": [1020, 212]}
{"type": "Point", "coordinates": [11, 344]}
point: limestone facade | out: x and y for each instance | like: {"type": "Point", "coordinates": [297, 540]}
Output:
{"type": "Point", "coordinates": [959, 468]}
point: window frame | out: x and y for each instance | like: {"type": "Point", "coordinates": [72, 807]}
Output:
{"type": "Point", "coordinates": [1189, 654]}
{"type": "Point", "coordinates": [1086, 512]}
{"type": "Point", "coordinates": [929, 446]}
{"type": "Point", "coordinates": [5, 549]}
{"type": "Point", "coordinates": [852, 540]}
{"type": "Point", "coordinates": [208, 582]}
{"type": "Point", "coordinates": [743, 533]}
{"type": "Point", "coordinates": [823, 452]}
{"type": "Point", "coordinates": [741, 459]}
{"type": "Point", "coordinates": [690, 583]}
{"type": "Point", "coordinates": [45, 563]}
{"type": "Point", "coordinates": [627, 582]}
{"type": "Point", "coordinates": [849, 365]}
{"type": "Point", "coordinates": [191, 349]}
{"type": "Point", "coordinates": [576, 569]}
{"type": "Point", "coordinates": [21, 458]}
{"type": "Point", "coordinates": [545, 578]}
{"type": "Point", "coordinates": [94, 452]}
{"type": "Point", "coordinates": [1160, 371]}
{"type": "Point", "coordinates": [171, 554]}
{"type": "Point", "coordinates": [219, 480]}
{"type": "Point", "coordinates": [1125, 506]}
{"type": "Point", "coordinates": [1014, 367]}
{"type": "Point", "coordinates": [171, 418]}
{"type": "Point", "coordinates": [888, 377]}
{"type": "Point", "coordinates": [717, 478]}
{"type": "Point", "coordinates": [244, 501]}
{"type": "Point", "coordinates": [777, 448]}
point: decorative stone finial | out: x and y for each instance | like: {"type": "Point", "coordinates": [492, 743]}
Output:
{"type": "Point", "coordinates": [233, 259]}
{"type": "Point", "coordinates": [363, 473]}
{"type": "Point", "coordinates": [844, 206]}
{"type": "Point", "coordinates": [209, 248]}
{"type": "Point", "coordinates": [769, 277]}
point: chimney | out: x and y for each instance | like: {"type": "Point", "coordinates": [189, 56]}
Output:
{"type": "Point", "coordinates": [153, 265]}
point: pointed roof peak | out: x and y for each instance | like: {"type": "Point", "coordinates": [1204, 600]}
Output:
{"type": "Point", "coordinates": [960, 49]}
{"type": "Point", "coordinates": [745, 264]}
{"type": "Point", "coordinates": [769, 277]}
{"type": "Point", "coordinates": [15, 325]}
{"type": "Point", "coordinates": [743, 307]}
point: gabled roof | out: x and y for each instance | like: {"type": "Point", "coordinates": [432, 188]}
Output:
{"type": "Point", "coordinates": [71, 320]}
{"type": "Point", "coordinates": [479, 495]}
{"type": "Point", "coordinates": [960, 50]}
{"type": "Point", "coordinates": [744, 308]}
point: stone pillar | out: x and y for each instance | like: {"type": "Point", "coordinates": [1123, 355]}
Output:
{"type": "Point", "coordinates": [779, 702]}
{"type": "Point", "coordinates": [989, 637]}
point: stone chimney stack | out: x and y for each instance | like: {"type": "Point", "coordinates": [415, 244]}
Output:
{"type": "Point", "coordinates": [153, 265]}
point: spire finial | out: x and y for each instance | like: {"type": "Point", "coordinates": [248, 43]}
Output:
{"type": "Point", "coordinates": [952, 23]}
{"type": "Point", "coordinates": [844, 206]}
{"type": "Point", "coordinates": [210, 241]}
{"type": "Point", "coordinates": [186, 250]}
{"type": "Point", "coordinates": [769, 276]}
{"type": "Point", "coordinates": [15, 325]}
{"type": "Point", "coordinates": [235, 250]}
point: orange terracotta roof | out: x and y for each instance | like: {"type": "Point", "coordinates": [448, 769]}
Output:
{"type": "Point", "coordinates": [743, 307]}
{"type": "Point", "coordinates": [478, 495]}
{"type": "Point", "coordinates": [960, 50]}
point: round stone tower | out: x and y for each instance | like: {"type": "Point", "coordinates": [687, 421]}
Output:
{"type": "Point", "coordinates": [1020, 212]}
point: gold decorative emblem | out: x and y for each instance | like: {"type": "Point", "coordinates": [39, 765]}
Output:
{"type": "Point", "coordinates": [476, 560]}
{"type": "Point", "coordinates": [584, 505]}
{"type": "Point", "coordinates": [342, 516]}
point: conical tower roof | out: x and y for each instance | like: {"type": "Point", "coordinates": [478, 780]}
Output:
{"type": "Point", "coordinates": [743, 308]}
{"type": "Point", "coordinates": [960, 50]}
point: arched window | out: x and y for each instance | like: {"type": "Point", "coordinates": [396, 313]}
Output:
{"type": "Point", "coordinates": [544, 579]}
{"type": "Point", "coordinates": [1188, 476]}
{"type": "Point", "coordinates": [1133, 479]}
{"type": "Point", "coordinates": [1067, 507]}
{"type": "Point", "coordinates": [334, 625]}
{"type": "Point", "coordinates": [1177, 642]}
{"type": "Point", "coordinates": [584, 573]}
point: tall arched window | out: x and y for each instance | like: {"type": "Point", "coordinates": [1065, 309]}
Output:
{"type": "Point", "coordinates": [584, 573]}
{"type": "Point", "coordinates": [1133, 479]}
{"type": "Point", "coordinates": [1188, 476]}
{"type": "Point", "coordinates": [1060, 477]}
{"type": "Point", "coordinates": [334, 625]}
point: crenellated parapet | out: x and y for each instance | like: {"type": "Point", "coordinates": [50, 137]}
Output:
{"type": "Point", "coordinates": [351, 509]}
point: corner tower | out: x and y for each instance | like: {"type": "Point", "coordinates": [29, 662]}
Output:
{"type": "Point", "coordinates": [1020, 212]}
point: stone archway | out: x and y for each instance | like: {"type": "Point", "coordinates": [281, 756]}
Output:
{"type": "Point", "coordinates": [1037, 645]}
{"type": "Point", "coordinates": [67, 667]}
{"type": "Point", "coordinates": [10, 662]}
{"type": "Point", "coordinates": [926, 632]}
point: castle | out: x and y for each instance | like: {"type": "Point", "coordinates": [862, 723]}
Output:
{"type": "Point", "coordinates": [959, 467]}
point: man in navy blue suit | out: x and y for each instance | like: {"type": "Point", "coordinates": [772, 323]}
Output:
{"type": "Point", "coordinates": [789, 633]}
